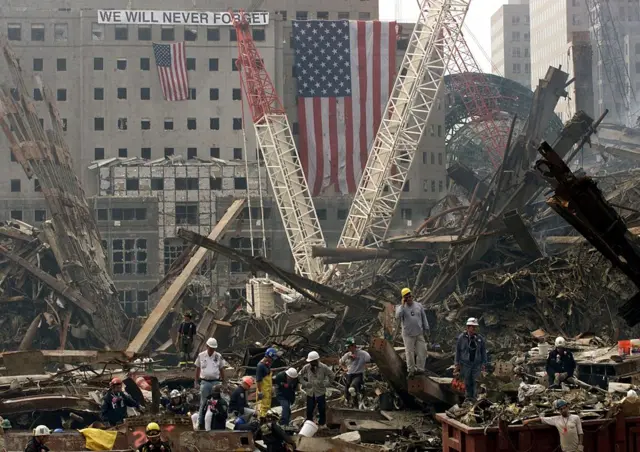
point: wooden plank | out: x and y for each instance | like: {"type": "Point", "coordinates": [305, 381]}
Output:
{"type": "Point", "coordinates": [177, 287]}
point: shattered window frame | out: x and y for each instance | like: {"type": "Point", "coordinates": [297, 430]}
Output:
{"type": "Point", "coordinates": [129, 256]}
{"type": "Point", "coordinates": [40, 215]}
{"type": "Point", "coordinates": [187, 213]}
{"type": "Point", "coordinates": [97, 31]}
{"type": "Point", "coordinates": [61, 32]}
{"type": "Point", "coordinates": [134, 302]}
{"type": "Point", "coordinates": [243, 245]}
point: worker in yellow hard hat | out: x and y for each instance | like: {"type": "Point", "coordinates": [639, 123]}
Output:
{"type": "Point", "coordinates": [415, 328]}
{"type": "Point", "coordinates": [154, 440]}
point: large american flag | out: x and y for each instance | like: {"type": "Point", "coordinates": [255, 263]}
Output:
{"type": "Point", "coordinates": [172, 70]}
{"type": "Point", "coordinates": [345, 70]}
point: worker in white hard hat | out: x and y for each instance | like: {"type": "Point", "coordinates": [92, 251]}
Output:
{"type": "Point", "coordinates": [38, 441]}
{"type": "Point", "coordinates": [209, 373]}
{"type": "Point", "coordinates": [315, 379]}
{"type": "Point", "coordinates": [560, 364]}
{"type": "Point", "coordinates": [175, 404]}
{"type": "Point", "coordinates": [286, 384]}
{"type": "Point", "coordinates": [471, 358]}
{"type": "Point", "coordinates": [415, 328]}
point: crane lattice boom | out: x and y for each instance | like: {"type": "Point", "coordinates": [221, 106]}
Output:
{"type": "Point", "coordinates": [282, 162]}
{"type": "Point", "coordinates": [407, 114]}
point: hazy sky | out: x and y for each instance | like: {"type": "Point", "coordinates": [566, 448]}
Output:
{"type": "Point", "coordinates": [478, 21]}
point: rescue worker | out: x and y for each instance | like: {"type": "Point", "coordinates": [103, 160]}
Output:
{"type": "Point", "coordinates": [471, 358]}
{"type": "Point", "coordinates": [215, 411]}
{"type": "Point", "coordinates": [38, 442]}
{"type": "Point", "coordinates": [273, 436]}
{"type": "Point", "coordinates": [264, 381]}
{"type": "Point", "coordinates": [175, 403]}
{"type": "Point", "coordinates": [286, 384]}
{"type": "Point", "coordinates": [238, 404]}
{"type": "Point", "coordinates": [186, 332]}
{"type": "Point", "coordinates": [154, 440]}
{"type": "Point", "coordinates": [315, 379]}
{"type": "Point", "coordinates": [569, 427]}
{"type": "Point", "coordinates": [354, 362]}
{"type": "Point", "coordinates": [209, 372]}
{"type": "Point", "coordinates": [115, 403]}
{"type": "Point", "coordinates": [415, 327]}
{"type": "Point", "coordinates": [560, 364]}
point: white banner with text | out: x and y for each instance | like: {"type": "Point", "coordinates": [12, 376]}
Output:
{"type": "Point", "coordinates": [137, 17]}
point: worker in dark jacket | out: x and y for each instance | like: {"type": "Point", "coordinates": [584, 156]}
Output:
{"type": "Point", "coordinates": [186, 332]}
{"type": "Point", "coordinates": [286, 384]}
{"type": "Point", "coordinates": [273, 436]}
{"type": "Point", "coordinates": [560, 364]}
{"type": "Point", "coordinates": [154, 440]}
{"type": "Point", "coordinates": [175, 404]}
{"type": "Point", "coordinates": [38, 442]}
{"type": "Point", "coordinates": [215, 411]}
{"type": "Point", "coordinates": [470, 358]}
{"type": "Point", "coordinates": [115, 403]}
{"type": "Point", "coordinates": [238, 405]}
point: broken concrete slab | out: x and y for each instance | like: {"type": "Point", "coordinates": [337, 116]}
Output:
{"type": "Point", "coordinates": [375, 432]}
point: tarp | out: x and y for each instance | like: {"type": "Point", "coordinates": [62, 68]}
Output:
{"type": "Point", "coordinates": [97, 439]}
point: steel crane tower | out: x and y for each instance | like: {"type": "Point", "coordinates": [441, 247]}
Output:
{"type": "Point", "coordinates": [407, 114]}
{"type": "Point", "coordinates": [282, 162]}
{"type": "Point", "coordinates": [612, 59]}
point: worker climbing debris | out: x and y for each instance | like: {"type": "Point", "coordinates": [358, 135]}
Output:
{"type": "Point", "coordinates": [415, 328]}
{"type": "Point", "coordinates": [315, 379]}
{"type": "Point", "coordinates": [354, 362]}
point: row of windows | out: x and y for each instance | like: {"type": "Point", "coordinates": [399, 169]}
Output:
{"type": "Point", "coordinates": [515, 52]}
{"type": "Point", "coordinates": [517, 68]}
{"type": "Point", "coordinates": [122, 214]}
{"type": "Point", "coordinates": [145, 124]}
{"type": "Point", "coordinates": [145, 94]}
{"type": "Point", "coordinates": [16, 184]}
{"type": "Point", "coordinates": [40, 215]}
{"type": "Point", "coordinates": [122, 64]}
{"type": "Point", "coordinates": [183, 183]}
{"type": "Point", "coordinates": [192, 153]}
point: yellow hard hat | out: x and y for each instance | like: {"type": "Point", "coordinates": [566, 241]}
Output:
{"type": "Point", "coordinates": [153, 429]}
{"type": "Point", "coordinates": [404, 292]}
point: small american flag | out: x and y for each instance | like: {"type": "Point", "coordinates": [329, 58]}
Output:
{"type": "Point", "coordinates": [345, 72]}
{"type": "Point", "coordinates": [172, 70]}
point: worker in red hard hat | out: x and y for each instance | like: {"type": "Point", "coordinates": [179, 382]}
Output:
{"type": "Point", "coordinates": [238, 404]}
{"type": "Point", "coordinates": [115, 403]}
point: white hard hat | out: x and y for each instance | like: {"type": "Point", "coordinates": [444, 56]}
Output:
{"type": "Point", "coordinates": [631, 394]}
{"type": "Point", "coordinates": [312, 356]}
{"type": "Point", "coordinates": [472, 321]}
{"type": "Point", "coordinates": [174, 393]}
{"type": "Point", "coordinates": [291, 372]}
{"type": "Point", "coordinates": [41, 430]}
{"type": "Point", "coordinates": [560, 342]}
{"type": "Point", "coordinates": [212, 343]}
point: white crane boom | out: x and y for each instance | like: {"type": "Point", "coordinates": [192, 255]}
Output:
{"type": "Point", "coordinates": [407, 114]}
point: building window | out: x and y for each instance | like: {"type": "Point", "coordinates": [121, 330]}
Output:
{"type": "Point", "coordinates": [40, 216]}
{"type": "Point", "coordinates": [433, 186]}
{"type": "Point", "coordinates": [214, 123]}
{"type": "Point", "coordinates": [214, 94]}
{"type": "Point", "coordinates": [214, 152]}
{"type": "Point", "coordinates": [167, 33]}
{"type": "Point", "coordinates": [132, 184]}
{"type": "Point", "coordinates": [168, 123]}
{"type": "Point", "coordinates": [215, 183]}
{"type": "Point", "coordinates": [144, 33]}
{"type": "Point", "coordinates": [439, 158]}
{"type": "Point", "coordinates": [192, 153]}
{"type": "Point", "coordinates": [129, 213]}
{"type": "Point", "coordinates": [322, 214]}
{"type": "Point", "coordinates": [439, 130]}
{"type": "Point", "coordinates": [13, 157]}
{"type": "Point", "coordinates": [129, 256]}
{"type": "Point", "coordinates": [240, 183]}
{"type": "Point", "coordinates": [64, 124]}
{"type": "Point", "coordinates": [243, 245]}
{"type": "Point", "coordinates": [37, 64]}
{"type": "Point", "coordinates": [102, 214]}
{"type": "Point", "coordinates": [192, 93]}
{"type": "Point", "coordinates": [213, 64]}
{"type": "Point", "coordinates": [526, 52]}
{"type": "Point", "coordinates": [234, 64]}
{"type": "Point", "coordinates": [213, 34]}
{"type": "Point", "coordinates": [145, 124]}
{"type": "Point", "coordinates": [515, 20]}
{"type": "Point", "coordinates": [515, 36]}
{"type": "Point", "coordinates": [98, 64]}
{"type": "Point", "coordinates": [168, 152]}
{"type": "Point", "coordinates": [14, 32]}
{"type": "Point", "coordinates": [98, 93]}
{"type": "Point", "coordinates": [173, 248]}
{"type": "Point", "coordinates": [157, 183]}
{"type": "Point", "coordinates": [37, 94]}
{"type": "Point", "coordinates": [145, 153]}
{"type": "Point", "coordinates": [60, 32]}
{"type": "Point", "coordinates": [343, 214]}
{"type": "Point", "coordinates": [97, 32]}
{"type": "Point", "coordinates": [187, 183]}
{"type": "Point", "coordinates": [16, 215]}
{"type": "Point", "coordinates": [15, 185]}
{"type": "Point", "coordinates": [233, 36]}
{"type": "Point", "coordinates": [61, 94]}
{"type": "Point", "coordinates": [364, 15]}
{"type": "Point", "coordinates": [122, 152]}
{"type": "Point", "coordinates": [61, 64]}
{"type": "Point", "coordinates": [144, 64]}
{"type": "Point", "coordinates": [190, 34]}
{"type": "Point", "coordinates": [237, 153]}
{"type": "Point", "coordinates": [526, 37]}
{"type": "Point", "coordinates": [440, 186]}
{"type": "Point", "coordinates": [237, 123]}
{"type": "Point", "coordinates": [259, 34]}
{"type": "Point", "coordinates": [98, 153]}
{"type": "Point", "coordinates": [122, 123]}
{"type": "Point", "coordinates": [36, 185]}
{"type": "Point", "coordinates": [527, 68]}
{"type": "Point", "coordinates": [516, 68]}
{"type": "Point", "coordinates": [122, 93]}
{"type": "Point", "coordinates": [406, 214]}
{"type": "Point", "coordinates": [343, 15]}
{"type": "Point", "coordinates": [121, 64]}
{"type": "Point", "coordinates": [515, 52]}
{"type": "Point", "coordinates": [37, 32]}
{"type": "Point", "coordinates": [98, 123]}
{"type": "Point", "coordinates": [322, 15]}
{"type": "Point", "coordinates": [122, 32]}
{"type": "Point", "coordinates": [236, 94]}
{"type": "Point", "coordinates": [295, 128]}
{"type": "Point", "coordinates": [191, 64]}
{"type": "Point", "coordinates": [432, 130]}
{"type": "Point", "coordinates": [145, 93]}
{"type": "Point", "coordinates": [425, 185]}
{"type": "Point", "coordinates": [186, 213]}
{"type": "Point", "coordinates": [191, 124]}
{"type": "Point", "coordinates": [302, 15]}
{"type": "Point", "coordinates": [135, 303]}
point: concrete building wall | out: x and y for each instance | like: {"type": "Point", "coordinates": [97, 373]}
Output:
{"type": "Point", "coordinates": [510, 41]}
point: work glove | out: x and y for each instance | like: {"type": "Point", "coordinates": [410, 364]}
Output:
{"type": "Point", "coordinates": [259, 396]}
